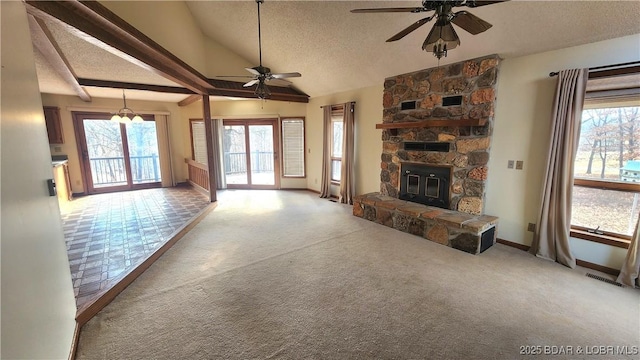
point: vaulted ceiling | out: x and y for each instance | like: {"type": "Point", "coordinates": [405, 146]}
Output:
{"type": "Point", "coordinates": [336, 50]}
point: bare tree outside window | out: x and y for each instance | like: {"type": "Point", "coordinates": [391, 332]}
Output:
{"type": "Point", "coordinates": [106, 152]}
{"type": "Point", "coordinates": [608, 151]}
{"type": "Point", "coordinates": [336, 149]}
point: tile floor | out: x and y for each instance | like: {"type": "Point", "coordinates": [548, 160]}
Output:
{"type": "Point", "coordinates": [108, 235]}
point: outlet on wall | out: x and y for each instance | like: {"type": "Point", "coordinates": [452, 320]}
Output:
{"type": "Point", "coordinates": [510, 164]}
{"type": "Point", "coordinates": [519, 164]}
{"type": "Point", "coordinates": [531, 227]}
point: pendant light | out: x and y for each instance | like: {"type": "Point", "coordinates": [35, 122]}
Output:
{"type": "Point", "coordinates": [126, 115]}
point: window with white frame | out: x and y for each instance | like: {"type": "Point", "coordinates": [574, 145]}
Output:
{"type": "Point", "coordinates": [606, 192]}
{"type": "Point", "coordinates": [337, 123]}
{"type": "Point", "coordinates": [293, 159]}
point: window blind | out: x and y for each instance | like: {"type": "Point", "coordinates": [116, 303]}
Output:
{"type": "Point", "coordinates": [293, 148]}
{"type": "Point", "coordinates": [199, 142]}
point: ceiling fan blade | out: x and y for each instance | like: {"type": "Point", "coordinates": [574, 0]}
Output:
{"type": "Point", "coordinates": [410, 29]}
{"type": "Point", "coordinates": [253, 71]}
{"type": "Point", "coordinates": [286, 75]}
{"type": "Point", "coordinates": [251, 83]}
{"type": "Point", "coordinates": [470, 22]}
{"type": "Point", "coordinates": [476, 3]}
{"type": "Point", "coordinates": [380, 10]}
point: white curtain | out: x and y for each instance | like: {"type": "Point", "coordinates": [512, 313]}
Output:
{"type": "Point", "coordinates": [164, 150]}
{"type": "Point", "coordinates": [551, 240]}
{"type": "Point", "coordinates": [630, 272]}
{"type": "Point", "coordinates": [218, 149]}
{"type": "Point", "coordinates": [347, 183]}
{"type": "Point", "coordinates": [325, 185]}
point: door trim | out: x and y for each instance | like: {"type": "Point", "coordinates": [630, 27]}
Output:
{"type": "Point", "coordinates": [83, 156]}
{"type": "Point", "coordinates": [274, 122]}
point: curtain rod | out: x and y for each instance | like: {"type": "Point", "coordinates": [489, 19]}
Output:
{"type": "Point", "coordinates": [605, 67]}
{"type": "Point", "coordinates": [353, 102]}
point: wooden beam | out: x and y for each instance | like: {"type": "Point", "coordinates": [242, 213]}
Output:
{"type": "Point", "coordinates": [134, 86]}
{"type": "Point", "coordinates": [189, 100]}
{"type": "Point", "coordinates": [47, 45]}
{"type": "Point", "coordinates": [231, 91]}
{"type": "Point", "coordinates": [429, 123]}
{"type": "Point", "coordinates": [211, 162]}
{"type": "Point", "coordinates": [236, 89]}
{"type": "Point", "coordinates": [98, 25]}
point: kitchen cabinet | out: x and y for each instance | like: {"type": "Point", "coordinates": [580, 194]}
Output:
{"type": "Point", "coordinates": [54, 124]}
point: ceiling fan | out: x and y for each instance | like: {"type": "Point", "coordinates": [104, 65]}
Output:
{"type": "Point", "coordinates": [442, 36]}
{"type": "Point", "coordinates": [262, 74]}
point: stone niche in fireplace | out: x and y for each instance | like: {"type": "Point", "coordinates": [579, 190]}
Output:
{"type": "Point", "coordinates": [441, 118]}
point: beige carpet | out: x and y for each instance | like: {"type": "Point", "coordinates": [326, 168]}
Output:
{"type": "Point", "coordinates": [289, 276]}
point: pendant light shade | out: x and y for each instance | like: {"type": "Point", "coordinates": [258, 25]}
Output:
{"type": "Point", "coordinates": [441, 39]}
{"type": "Point", "coordinates": [126, 115]}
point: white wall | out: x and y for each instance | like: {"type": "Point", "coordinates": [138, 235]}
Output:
{"type": "Point", "coordinates": [368, 142]}
{"type": "Point", "coordinates": [38, 305]}
{"type": "Point", "coordinates": [67, 104]}
{"type": "Point", "coordinates": [169, 23]}
{"type": "Point", "coordinates": [521, 132]}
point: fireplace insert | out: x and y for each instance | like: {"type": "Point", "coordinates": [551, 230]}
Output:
{"type": "Point", "coordinates": [425, 184]}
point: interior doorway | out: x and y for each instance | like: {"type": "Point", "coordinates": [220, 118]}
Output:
{"type": "Point", "coordinates": [250, 159]}
{"type": "Point", "coordinates": [116, 156]}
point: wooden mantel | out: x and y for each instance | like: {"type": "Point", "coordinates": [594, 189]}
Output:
{"type": "Point", "coordinates": [432, 123]}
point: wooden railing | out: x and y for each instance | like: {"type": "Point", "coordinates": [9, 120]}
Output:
{"type": "Point", "coordinates": [198, 174]}
{"type": "Point", "coordinates": [111, 170]}
{"type": "Point", "coordinates": [236, 162]}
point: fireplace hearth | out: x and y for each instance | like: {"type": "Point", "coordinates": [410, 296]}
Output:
{"type": "Point", "coordinates": [425, 184]}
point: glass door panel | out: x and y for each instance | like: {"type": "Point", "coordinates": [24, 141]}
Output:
{"type": "Point", "coordinates": [143, 152]}
{"type": "Point", "coordinates": [115, 156]}
{"type": "Point", "coordinates": [235, 155]}
{"type": "Point", "coordinates": [105, 152]}
{"type": "Point", "coordinates": [262, 159]}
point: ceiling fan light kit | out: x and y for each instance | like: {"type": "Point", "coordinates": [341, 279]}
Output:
{"type": "Point", "coordinates": [442, 36]}
{"type": "Point", "coordinates": [441, 39]}
{"type": "Point", "coordinates": [126, 115]}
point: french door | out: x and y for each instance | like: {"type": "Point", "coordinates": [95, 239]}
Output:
{"type": "Point", "coordinates": [250, 159]}
{"type": "Point", "coordinates": [115, 156]}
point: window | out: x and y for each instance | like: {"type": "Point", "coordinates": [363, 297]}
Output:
{"type": "Point", "coordinates": [606, 192]}
{"type": "Point", "coordinates": [293, 161]}
{"type": "Point", "coordinates": [337, 122]}
{"type": "Point", "coordinates": [198, 141]}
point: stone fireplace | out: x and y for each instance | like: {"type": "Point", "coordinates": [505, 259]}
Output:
{"type": "Point", "coordinates": [441, 117]}
{"type": "Point", "coordinates": [436, 133]}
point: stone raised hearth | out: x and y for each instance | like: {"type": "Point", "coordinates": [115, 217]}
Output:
{"type": "Point", "coordinates": [462, 231]}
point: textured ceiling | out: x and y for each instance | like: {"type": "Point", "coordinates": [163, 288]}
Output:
{"type": "Point", "coordinates": [336, 50]}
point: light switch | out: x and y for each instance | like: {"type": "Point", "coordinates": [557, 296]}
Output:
{"type": "Point", "coordinates": [510, 164]}
{"type": "Point", "coordinates": [519, 164]}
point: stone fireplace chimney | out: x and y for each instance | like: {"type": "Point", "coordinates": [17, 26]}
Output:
{"type": "Point", "coordinates": [440, 117]}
